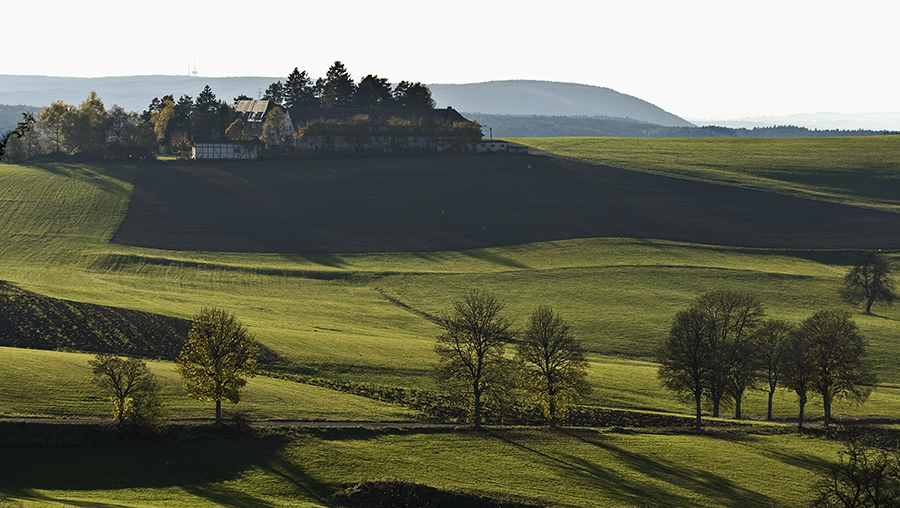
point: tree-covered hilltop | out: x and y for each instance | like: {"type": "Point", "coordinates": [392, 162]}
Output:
{"type": "Point", "coordinates": [338, 90]}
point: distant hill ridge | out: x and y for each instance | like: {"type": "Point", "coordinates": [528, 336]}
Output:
{"type": "Point", "coordinates": [514, 97]}
{"type": "Point", "coordinates": [529, 97]}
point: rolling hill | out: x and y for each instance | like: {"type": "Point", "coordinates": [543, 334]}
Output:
{"type": "Point", "coordinates": [134, 93]}
{"type": "Point", "coordinates": [527, 97]}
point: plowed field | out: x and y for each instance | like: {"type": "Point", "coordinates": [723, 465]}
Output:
{"type": "Point", "coordinates": [456, 202]}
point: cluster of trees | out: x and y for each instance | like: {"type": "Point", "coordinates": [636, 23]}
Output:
{"type": "Point", "coordinates": [215, 363]}
{"type": "Point", "coordinates": [338, 90]}
{"type": "Point", "coordinates": [87, 130]}
{"type": "Point", "coordinates": [721, 346]}
{"type": "Point", "coordinates": [91, 131]}
{"type": "Point", "coordinates": [549, 363]}
{"type": "Point", "coordinates": [174, 122]}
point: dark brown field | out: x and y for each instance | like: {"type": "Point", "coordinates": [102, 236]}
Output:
{"type": "Point", "coordinates": [456, 202]}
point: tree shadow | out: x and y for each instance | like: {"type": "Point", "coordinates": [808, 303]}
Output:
{"type": "Point", "coordinates": [493, 258]}
{"type": "Point", "coordinates": [201, 467]}
{"type": "Point", "coordinates": [721, 490]}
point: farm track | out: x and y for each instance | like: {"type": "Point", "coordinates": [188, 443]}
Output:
{"type": "Point", "coordinates": [459, 202]}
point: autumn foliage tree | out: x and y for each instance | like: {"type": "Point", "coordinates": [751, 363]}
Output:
{"type": "Point", "coordinates": [218, 358]}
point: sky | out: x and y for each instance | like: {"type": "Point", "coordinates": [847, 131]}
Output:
{"type": "Point", "coordinates": [697, 59]}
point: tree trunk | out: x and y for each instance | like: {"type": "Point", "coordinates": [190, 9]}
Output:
{"type": "Point", "coordinates": [476, 409]}
{"type": "Point", "coordinates": [698, 399]}
{"type": "Point", "coordinates": [827, 412]}
{"type": "Point", "coordinates": [800, 418]}
{"type": "Point", "coordinates": [769, 411]}
{"type": "Point", "coordinates": [737, 407]}
{"type": "Point", "coordinates": [218, 412]}
{"type": "Point", "coordinates": [716, 408]}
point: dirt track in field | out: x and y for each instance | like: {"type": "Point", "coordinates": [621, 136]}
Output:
{"type": "Point", "coordinates": [456, 202]}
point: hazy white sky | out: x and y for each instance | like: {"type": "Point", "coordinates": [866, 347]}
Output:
{"type": "Point", "coordinates": [697, 59]}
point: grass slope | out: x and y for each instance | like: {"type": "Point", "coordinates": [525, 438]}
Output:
{"type": "Point", "coordinates": [326, 313]}
{"type": "Point", "coordinates": [855, 170]}
{"type": "Point", "coordinates": [58, 385]}
{"type": "Point", "coordinates": [304, 468]}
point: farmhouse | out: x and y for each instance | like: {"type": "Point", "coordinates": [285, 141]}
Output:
{"type": "Point", "coordinates": [386, 129]}
{"type": "Point", "coordinates": [253, 114]}
{"type": "Point", "coordinates": [220, 147]}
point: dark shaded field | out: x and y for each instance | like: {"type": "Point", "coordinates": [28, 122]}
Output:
{"type": "Point", "coordinates": [456, 202]}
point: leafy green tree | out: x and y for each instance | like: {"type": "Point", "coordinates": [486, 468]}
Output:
{"type": "Point", "coordinates": [837, 357]}
{"type": "Point", "coordinates": [771, 341]}
{"type": "Point", "coordinates": [554, 369]}
{"type": "Point", "coordinates": [299, 90]}
{"type": "Point", "coordinates": [373, 92]}
{"type": "Point", "coordinates": [218, 358]}
{"type": "Point", "coordinates": [338, 87]}
{"type": "Point", "coordinates": [870, 281]}
{"type": "Point", "coordinates": [87, 131]}
{"type": "Point", "coordinates": [470, 348]}
{"type": "Point", "coordinates": [412, 95]}
{"type": "Point", "coordinates": [53, 122]}
{"type": "Point", "coordinates": [134, 390]}
{"type": "Point", "coordinates": [162, 121]}
{"type": "Point", "coordinates": [686, 358]}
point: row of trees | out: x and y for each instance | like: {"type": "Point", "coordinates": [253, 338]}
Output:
{"type": "Point", "coordinates": [91, 131]}
{"type": "Point", "coordinates": [87, 130]}
{"type": "Point", "coordinates": [338, 90]}
{"type": "Point", "coordinates": [215, 363]}
{"type": "Point", "coordinates": [549, 363]}
{"type": "Point", "coordinates": [720, 347]}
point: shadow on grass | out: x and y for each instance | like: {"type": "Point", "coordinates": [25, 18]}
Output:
{"type": "Point", "coordinates": [634, 490]}
{"type": "Point", "coordinates": [210, 468]}
{"type": "Point", "coordinates": [107, 177]}
{"type": "Point", "coordinates": [493, 258]}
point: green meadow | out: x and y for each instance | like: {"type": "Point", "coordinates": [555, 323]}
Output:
{"type": "Point", "coordinates": [329, 315]}
{"type": "Point", "coordinates": [854, 170]}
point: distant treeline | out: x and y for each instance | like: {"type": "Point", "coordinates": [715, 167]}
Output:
{"type": "Point", "coordinates": [560, 126]}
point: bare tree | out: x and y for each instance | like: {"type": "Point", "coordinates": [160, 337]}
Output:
{"type": "Point", "coordinates": [134, 390]}
{"type": "Point", "coordinates": [470, 349]}
{"type": "Point", "coordinates": [732, 316]}
{"type": "Point", "coordinates": [686, 358]}
{"type": "Point", "coordinates": [554, 367]}
{"type": "Point", "coordinates": [862, 477]}
{"type": "Point", "coordinates": [837, 352]}
{"type": "Point", "coordinates": [771, 341]}
{"type": "Point", "coordinates": [869, 281]}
